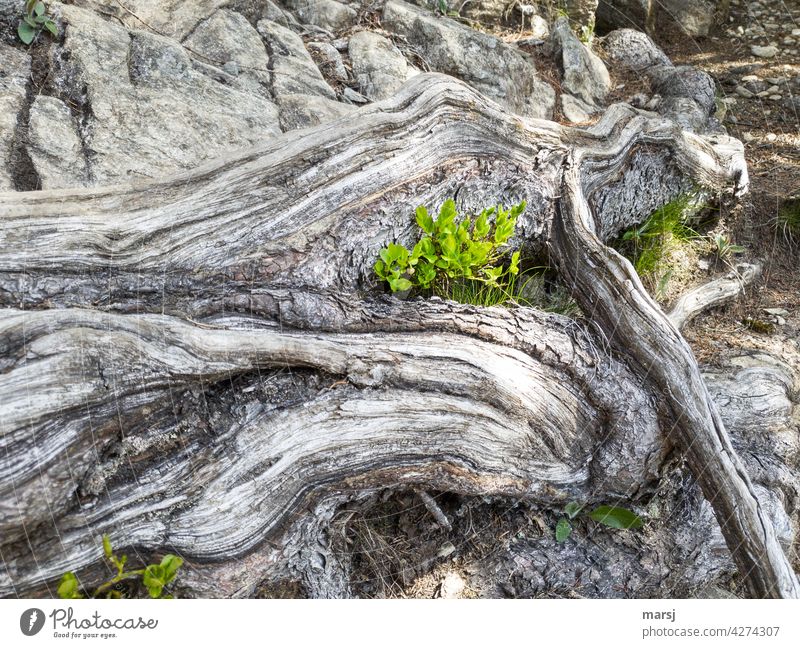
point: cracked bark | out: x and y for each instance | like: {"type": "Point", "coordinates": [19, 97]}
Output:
{"type": "Point", "coordinates": [204, 364]}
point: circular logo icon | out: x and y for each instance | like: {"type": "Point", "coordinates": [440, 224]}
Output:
{"type": "Point", "coordinates": [31, 621]}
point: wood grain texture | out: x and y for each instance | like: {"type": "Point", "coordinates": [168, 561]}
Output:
{"type": "Point", "coordinates": [204, 364]}
{"type": "Point", "coordinates": [713, 293]}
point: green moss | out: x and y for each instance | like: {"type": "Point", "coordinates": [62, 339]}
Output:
{"type": "Point", "coordinates": [759, 326]}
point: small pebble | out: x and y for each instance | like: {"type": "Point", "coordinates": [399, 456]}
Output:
{"type": "Point", "coordinates": [766, 51]}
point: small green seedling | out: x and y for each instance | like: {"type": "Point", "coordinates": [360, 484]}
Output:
{"type": "Point", "coordinates": [154, 577]}
{"type": "Point", "coordinates": [35, 20]}
{"type": "Point", "coordinates": [611, 516]}
{"type": "Point", "coordinates": [456, 258]}
{"type": "Point", "coordinates": [724, 249]}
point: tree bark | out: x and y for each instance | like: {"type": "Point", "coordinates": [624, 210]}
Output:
{"type": "Point", "coordinates": [206, 365]}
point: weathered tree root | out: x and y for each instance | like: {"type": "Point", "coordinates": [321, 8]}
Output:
{"type": "Point", "coordinates": [714, 293]}
{"type": "Point", "coordinates": [193, 364]}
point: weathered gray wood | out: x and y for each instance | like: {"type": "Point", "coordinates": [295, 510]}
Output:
{"type": "Point", "coordinates": [608, 287]}
{"type": "Point", "coordinates": [714, 293]}
{"type": "Point", "coordinates": [204, 363]}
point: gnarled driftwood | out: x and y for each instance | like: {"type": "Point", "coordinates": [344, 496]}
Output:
{"type": "Point", "coordinates": [205, 364]}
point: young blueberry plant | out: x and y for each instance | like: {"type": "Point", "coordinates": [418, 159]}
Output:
{"type": "Point", "coordinates": [456, 258]}
{"type": "Point", "coordinates": [154, 577]}
{"type": "Point", "coordinates": [34, 21]}
{"type": "Point", "coordinates": [610, 516]}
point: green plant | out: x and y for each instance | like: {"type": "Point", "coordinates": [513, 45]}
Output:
{"type": "Point", "coordinates": [154, 577]}
{"type": "Point", "coordinates": [34, 21]}
{"type": "Point", "coordinates": [456, 258]}
{"type": "Point", "coordinates": [586, 32]}
{"type": "Point", "coordinates": [723, 248]}
{"type": "Point", "coordinates": [649, 245]}
{"type": "Point", "coordinates": [611, 516]}
{"type": "Point", "coordinates": [788, 220]}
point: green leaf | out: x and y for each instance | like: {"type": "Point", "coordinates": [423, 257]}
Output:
{"type": "Point", "coordinates": [107, 546]}
{"type": "Point", "coordinates": [572, 509]}
{"type": "Point", "coordinates": [425, 274]}
{"type": "Point", "coordinates": [399, 284]}
{"type": "Point", "coordinates": [170, 564]}
{"type": "Point", "coordinates": [563, 529]}
{"type": "Point", "coordinates": [447, 214]}
{"type": "Point", "coordinates": [154, 580]}
{"type": "Point", "coordinates": [69, 587]}
{"type": "Point", "coordinates": [30, 21]}
{"type": "Point", "coordinates": [517, 210]}
{"type": "Point", "coordinates": [426, 248]}
{"type": "Point", "coordinates": [493, 274]}
{"type": "Point", "coordinates": [38, 8]}
{"type": "Point", "coordinates": [380, 269]}
{"type": "Point", "coordinates": [481, 230]}
{"type": "Point", "coordinates": [26, 33]}
{"type": "Point", "coordinates": [463, 230]}
{"type": "Point", "coordinates": [616, 517]}
{"type": "Point", "coordinates": [513, 268]}
{"type": "Point", "coordinates": [449, 245]}
{"type": "Point", "coordinates": [478, 253]}
{"type": "Point", "coordinates": [424, 219]}
{"type": "Point", "coordinates": [51, 27]}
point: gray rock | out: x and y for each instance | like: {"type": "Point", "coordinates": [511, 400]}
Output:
{"type": "Point", "coordinates": [693, 17]}
{"type": "Point", "coordinates": [172, 18]}
{"type": "Point", "coordinates": [498, 70]}
{"type": "Point", "coordinates": [15, 69]}
{"type": "Point", "coordinates": [379, 67]}
{"type": "Point", "coordinates": [484, 11]}
{"type": "Point", "coordinates": [685, 81]}
{"type": "Point", "coordinates": [54, 145]}
{"type": "Point", "coordinates": [766, 51]}
{"type": "Point", "coordinates": [149, 110]}
{"type": "Point", "coordinates": [226, 39]}
{"type": "Point", "coordinates": [294, 70]}
{"type": "Point", "coordinates": [328, 59]}
{"type": "Point", "coordinates": [303, 111]}
{"type": "Point", "coordinates": [576, 110]}
{"type": "Point", "coordinates": [581, 12]}
{"type": "Point", "coordinates": [538, 27]}
{"type": "Point", "coordinates": [271, 11]}
{"type": "Point", "coordinates": [633, 50]}
{"type": "Point", "coordinates": [328, 14]}
{"type": "Point", "coordinates": [584, 74]}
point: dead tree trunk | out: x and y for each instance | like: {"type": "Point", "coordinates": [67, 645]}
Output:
{"type": "Point", "coordinates": [205, 364]}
